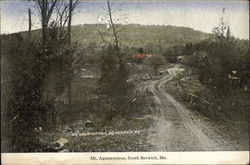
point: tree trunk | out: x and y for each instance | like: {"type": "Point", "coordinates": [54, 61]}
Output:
{"type": "Point", "coordinates": [70, 59]}
{"type": "Point", "coordinates": [46, 8]}
{"type": "Point", "coordinates": [44, 26]}
{"type": "Point", "coordinates": [69, 23]}
{"type": "Point", "coordinates": [29, 34]}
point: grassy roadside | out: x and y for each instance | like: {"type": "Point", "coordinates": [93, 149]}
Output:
{"type": "Point", "coordinates": [105, 143]}
{"type": "Point", "coordinates": [233, 125]}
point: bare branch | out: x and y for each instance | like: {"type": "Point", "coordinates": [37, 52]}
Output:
{"type": "Point", "coordinates": [63, 14]}
{"type": "Point", "coordinates": [104, 8]}
{"type": "Point", "coordinates": [103, 38]}
{"type": "Point", "coordinates": [51, 9]}
{"type": "Point", "coordinates": [65, 21]}
{"type": "Point", "coordinates": [112, 25]}
{"type": "Point", "coordinates": [76, 3]}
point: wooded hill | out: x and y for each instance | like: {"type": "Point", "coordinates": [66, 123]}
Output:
{"type": "Point", "coordinates": [135, 35]}
{"type": "Point", "coordinates": [139, 35]}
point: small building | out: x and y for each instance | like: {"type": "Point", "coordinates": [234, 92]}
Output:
{"type": "Point", "coordinates": [139, 57]}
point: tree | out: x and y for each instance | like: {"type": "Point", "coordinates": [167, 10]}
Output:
{"type": "Point", "coordinates": [108, 68]}
{"type": "Point", "coordinates": [25, 82]}
{"type": "Point", "coordinates": [58, 35]}
{"type": "Point", "coordinates": [46, 9]}
{"type": "Point", "coordinates": [25, 109]}
{"type": "Point", "coordinates": [156, 61]}
{"type": "Point", "coordinates": [172, 53]}
{"type": "Point", "coordinates": [114, 72]}
{"type": "Point", "coordinates": [218, 57]}
{"type": "Point", "coordinates": [222, 31]}
{"type": "Point", "coordinates": [115, 42]}
{"type": "Point", "coordinates": [27, 72]}
{"type": "Point", "coordinates": [32, 64]}
{"type": "Point", "coordinates": [113, 83]}
{"type": "Point", "coordinates": [65, 11]}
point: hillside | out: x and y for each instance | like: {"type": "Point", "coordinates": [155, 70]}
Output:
{"type": "Point", "coordinates": [133, 35]}
{"type": "Point", "coordinates": [139, 35]}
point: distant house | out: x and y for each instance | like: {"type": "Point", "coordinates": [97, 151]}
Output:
{"type": "Point", "coordinates": [139, 58]}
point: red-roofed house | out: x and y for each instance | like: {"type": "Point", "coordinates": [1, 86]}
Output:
{"type": "Point", "coordinates": [139, 57]}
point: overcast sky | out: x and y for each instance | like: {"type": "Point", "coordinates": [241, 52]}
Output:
{"type": "Point", "coordinates": [199, 15]}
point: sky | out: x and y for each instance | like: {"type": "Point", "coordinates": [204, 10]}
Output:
{"type": "Point", "coordinates": [199, 15]}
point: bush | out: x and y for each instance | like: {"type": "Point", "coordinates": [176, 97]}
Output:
{"type": "Point", "coordinates": [113, 82]}
{"type": "Point", "coordinates": [155, 61]}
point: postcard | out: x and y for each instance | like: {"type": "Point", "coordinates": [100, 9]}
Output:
{"type": "Point", "coordinates": [125, 82]}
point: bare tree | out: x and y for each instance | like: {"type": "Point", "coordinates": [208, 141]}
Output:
{"type": "Point", "coordinates": [116, 42]}
{"type": "Point", "coordinates": [112, 25]}
{"type": "Point", "coordinates": [111, 76]}
{"type": "Point", "coordinates": [46, 8]}
{"type": "Point", "coordinates": [63, 10]}
{"type": "Point", "coordinates": [223, 29]}
{"type": "Point", "coordinates": [62, 13]}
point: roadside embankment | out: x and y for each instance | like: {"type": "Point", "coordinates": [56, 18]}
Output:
{"type": "Point", "coordinates": [228, 115]}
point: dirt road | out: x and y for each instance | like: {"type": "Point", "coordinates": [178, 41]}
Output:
{"type": "Point", "coordinates": [177, 128]}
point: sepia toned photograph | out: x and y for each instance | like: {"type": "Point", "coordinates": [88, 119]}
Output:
{"type": "Point", "coordinates": [124, 76]}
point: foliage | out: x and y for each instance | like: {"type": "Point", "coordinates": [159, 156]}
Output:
{"type": "Point", "coordinates": [218, 60]}
{"type": "Point", "coordinates": [172, 53]}
{"type": "Point", "coordinates": [156, 61]}
{"type": "Point", "coordinates": [23, 81]}
{"type": "Point", "coordinates": [33, 77]}
{"type": "Point", "coordinates": [113, 82]}
{"type": "Point", "coordinates": [221, 61]}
